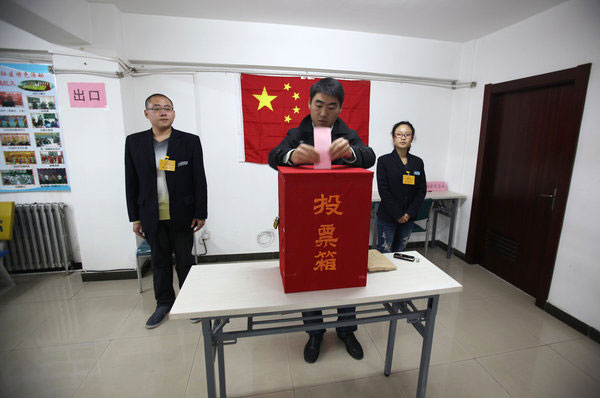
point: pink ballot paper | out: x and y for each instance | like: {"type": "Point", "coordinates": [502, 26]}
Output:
{"type": "Point", "coordinates": [322, 136]}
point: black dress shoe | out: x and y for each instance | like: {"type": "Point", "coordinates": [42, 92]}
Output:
{"type": "Point", "coordinates": [312, 348]}
{"type": "Point", "coordinates": [159, 315]}
{"type": "Point", "coordinates": [352, 346]}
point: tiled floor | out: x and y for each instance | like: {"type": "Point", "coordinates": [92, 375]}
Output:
{"type": "Point", "coordinates": [60, 337]}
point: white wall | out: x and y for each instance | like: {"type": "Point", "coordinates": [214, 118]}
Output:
{"type": "Point", "coordinates": [101, 237]}
{"type": "Point", "coordinates": [242, 196]}
{"type": "Point", "coordinates": [244, 43]}
{"type": "Point", "coordinates": [562, 37]}
{"type": "Point", "coordinates": [94, 153]}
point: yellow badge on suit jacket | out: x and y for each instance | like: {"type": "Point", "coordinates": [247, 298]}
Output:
{"type": "Point", "coordinates": [166, 164]}
{"type": "Point", "coordinates": [407, 179]}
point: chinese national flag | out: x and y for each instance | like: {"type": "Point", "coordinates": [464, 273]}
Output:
{"type": "Point", "coordinates": [272, 105]}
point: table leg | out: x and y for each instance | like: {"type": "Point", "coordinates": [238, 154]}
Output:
{"type": "Point", "coordinates": [222, 381]}
{"type": "Point", "coordinates": [432, 305]}
{"type": "Point", "coordinates": [373, 225]}
{"type": "Point", "coordinates": [453, 204]}
{"type": "Point", "coordinates": [389, 354]}
{"type": "Point", "coordinates": [209, 358]}
{"type": "Point", "coordinates": [434, 228]}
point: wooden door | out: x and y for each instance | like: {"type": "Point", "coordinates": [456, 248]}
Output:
{"type": "Point", "coordinates": [527, 148]}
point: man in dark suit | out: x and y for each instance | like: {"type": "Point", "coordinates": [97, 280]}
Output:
{"type": "Point", "coordinates": [297, 148]}
{"type": "Point", "coordinates": [166, 197]}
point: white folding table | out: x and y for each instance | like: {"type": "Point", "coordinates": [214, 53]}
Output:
{"type": "Point", "coordinates": [441, 197]}
{"type": "Point", "coordinates": [253, 290]}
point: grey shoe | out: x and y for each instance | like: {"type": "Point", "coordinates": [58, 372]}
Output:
{"type": "Point", "coordinates": [159, 315]}
{"type": "Point", "coordinates": [195, 320]}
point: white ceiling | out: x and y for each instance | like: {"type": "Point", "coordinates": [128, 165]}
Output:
{"type": "Point", "coordinates": [449, 20]}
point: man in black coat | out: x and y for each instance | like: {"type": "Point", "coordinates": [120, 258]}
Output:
{"type": "Point", "coordinates": [166, 197]}
{"type": "Point", "coordinates": [297, 148]}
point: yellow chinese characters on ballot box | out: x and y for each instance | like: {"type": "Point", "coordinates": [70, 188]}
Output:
{"type": "Point", "coordinates": [326, 242]}
{"type": "Point", "coordinates": [324, 219]}
{"type": "Point", "coordinates": [7, 217]}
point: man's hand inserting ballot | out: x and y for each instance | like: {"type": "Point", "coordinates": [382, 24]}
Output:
{"type": "Point", "coordinates": [304, 154]}
{"type": "Point", "coordinates": [341, 148]}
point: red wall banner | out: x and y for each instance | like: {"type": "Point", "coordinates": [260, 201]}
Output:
{"type": "Point", "coordinates": [272, 105]}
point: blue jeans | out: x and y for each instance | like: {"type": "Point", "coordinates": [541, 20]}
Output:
{"type": "Point", "coordinates": [393, 237]}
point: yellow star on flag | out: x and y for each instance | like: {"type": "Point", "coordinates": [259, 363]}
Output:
{"type": "Point", "coordinates": [264, 99]}
{"type": "Point", "coordinates": [287, 87]}
{"type": "Point", "coordinates": [296, 109]}
{"type": "Point", "coordinates": [287, 118]}
{"type": "Point", "coordinates": [296, 96]}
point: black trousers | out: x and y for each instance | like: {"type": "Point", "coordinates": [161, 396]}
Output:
{"type": "Point", "coordinates": [341, 331]}
{"type": "Point", "coordinates": [163, 244]}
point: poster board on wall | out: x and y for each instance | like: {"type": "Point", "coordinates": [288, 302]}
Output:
{"type": "Point", "coordinates": [32, 148]}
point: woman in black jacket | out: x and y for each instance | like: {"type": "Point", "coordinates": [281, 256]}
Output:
{"type": "Point", "coordinates": [402, 188]}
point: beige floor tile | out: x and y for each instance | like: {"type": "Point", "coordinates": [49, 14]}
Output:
{"type": "Point", "coordinates": [450, 304]}
{"type": "Point", "coordinates": [488, 335]}
{"type": "Point", "coordinates": [44, 315]}
{"type": "Point", "coordinates": [334, 363]}
{"type": "Point", "coordinates": [468, 293]}
{"type": "Point", "coordinates": [278, 394]}
{"type": "Point", "coordinates": [4, 288]}
{"type": "Point", "coordinates": [254, 365]}
{"type": "Point", "coordinates": [30, 288]}
{"type": "Point", "coordinates": [466, 379]}
{"type": "Point", "coordinates": [18, 320]}
{"type": "Point", "coordinates": [533, 319]}
{"type": "Point", "coordinates": [375, 386]}
{"type": "Point", "coordinates": [583, 353]}
{"type": "Point", "coordinates": [47, 372]}
{"type": "Point", "coordinates": [11, 339]}
{"type": "Point", "coordinates": [463, 308]}
{"type": "Point", "coordinates": [453, 309]}
{"type": "Point", "coordinates": [492, 325]}
{"type": "Point", "coordinates": [157, 366]}
{"type": "Point", "coordinates": [477, 281]}
{"type": "Point", "coordinates": [539, 372]}
{"type": "Point", "coordinates": [437, 255]}
{"type": "Point", "coordinates": [134, 325]}
{"type": "Point", "coordinates": [483, 283]}
{"type": "Point", "coordinates": [407, 347]}
{"type": "Point", "coordinates": [83, 321]}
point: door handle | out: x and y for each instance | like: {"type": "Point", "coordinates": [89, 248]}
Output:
{"type": "Point", "coordinates": [553, 196]}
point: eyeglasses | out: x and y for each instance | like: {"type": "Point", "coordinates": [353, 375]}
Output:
{"type": "Point", "coordinates": [405, 135]}
{"type": "Point", "coordinates": [160, 108]}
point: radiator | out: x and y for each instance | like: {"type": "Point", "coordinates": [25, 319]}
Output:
{"type": "Point", "coordinates": [40, 239]}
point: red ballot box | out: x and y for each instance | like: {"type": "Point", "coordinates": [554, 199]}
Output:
{"type": "Point", "coordinates": [324, 220]}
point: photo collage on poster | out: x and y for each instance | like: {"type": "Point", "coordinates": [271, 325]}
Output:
{"type": "Point", "coordinates": [33, 158]}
